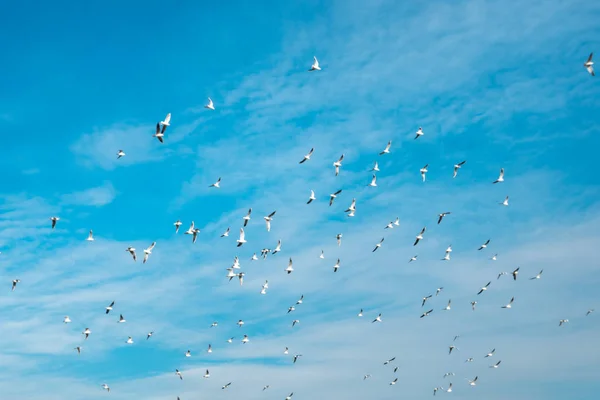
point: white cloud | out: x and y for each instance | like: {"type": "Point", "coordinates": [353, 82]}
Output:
{"type": "Point", "coordinates": [96, 197]}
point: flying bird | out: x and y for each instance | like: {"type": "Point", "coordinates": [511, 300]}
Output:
{"type": "Point", "coordinates": [167, 120]}
{"type": "Point", "coordinates": [54, 221]}
{"type": "Point", "coordinates": [442, 215]}
{"type": "Point", "coordinates": [589, 65]}
{"type": "Point", "coordinates": [483, 246]}
{"type": "Point", "coordinates": [336, 266]}
{"type": "Point", "coordinates": [338, 237]}
{"type": "Point", "coordinates": [491, 353]}
{"type": "Point", "coordinates": [538, 276]}
{"type": "Point", "coordinates": [207, 374]}
{"type": "Point", "coordinates": [483, 289]}
{"type": "Point", "coordinates": [501, 177]}
{"type": "Point", "coordinates": [472, 382]}
{"type": "Point", "coordinates": [177, 224]}
{"type": "Point", "coordinates": [300, 300]}
{"type": "Point", "coordinates": [178, 373]}
{"type": "Point", "coordinates": [496, 365]}
{"type": "Point", "coordinates": [289, 268]}
{"type": "Point", "coordinates": [447, 308]}
{"type": "Point", "coordinates": [378, 245]}
{"type": "Point", "coordinates": [338, 164]}
{"type": "Point", "coordinates": [217, 184]}
{"type": "Point", "coordinates": [424, 171]}
{"type": "Point", "coordinates": [277, 248]}
{"type": "Point", "coordinates": [148, 251]}
{"type": "Point", "coordinates": [226, 385]}
{"type": "Point", "coordinates": [420, 236]}
{"type": "Point", "coordinates": [387, 149]}
{"type": "Point", "coordinates": [438, 290]}
{"type": "Point", "coordinates": [247, 217]}
{"type": "Point", "coordinates": [425, 300]}
{"type": "Point", "coordinates": [562, 321]}
{"type": "Point", "coordinates": [86, 332]}
{"type": "Point", "coordinates": [289, 397]}
{"type": "Point", "coordinates": [110, 307]}
{"type": "Point", "coordinates": [505, 202]}
{"type": "Point", "coordinates": [312, 197]}
{"type": "Point", "coordinates": [452, 347]}
{"type": "Point", "coordinates": [105, 387]}
{"type": "Point", "coordinates": [121, 319]}
{"type": "Point", "coordinates": [296, 357]}
{"type": "Point", "coordinates": [515, 273]}
{"type": "Point", "coordinates": [90, 237]}
{"type": "Point", "coordinates": [210, 105]}
{"type": "Point", "coordinates": [226, 233]}
{"type": "Point", "coordinates": [315, 65]}
{"type": "Point", "coordinates": [375, 167]}
{"type": "Point", "coordinates": [413, 258]}
{"type": "Point", "coordinates": [389, 361]}
{"type": "Point", "coordinates": [377, 319]}
{"type": "Point", "coordinates": [268, 220]}
{"type": "Point", "coordinates": [426, 313]}
{"type": "Point", "coordinates": [129, 340]}
{"type": "Point", "coordinates": [67, 319]}
{"type": "Point", "coordinates": [120, 154]}
{"type": "Point", "coordinates": [78, 348]}
{"type": "Point", "coordinates": [394, 381]}
{"type": "Point", "coordinates": [307, 156]}
{"type": "Point", "coordinates": [242, 238]}
{"type": "Point", "coordinates": [373, 181]}
{"type": "Point", "coordinates": [591, 310]}
{"type": "Point", "coordinates": [509, 305]}
{"type": "Point", "coordinates": [457, 167]}
{"type": "Point", "coordinates": [14, 284]}
{"type": "Point", "coordinates": [419, 133]}
{"type": "Point", "coordinates": [149, 335]}
{"type": "Point", "coordinates": [160, 132]}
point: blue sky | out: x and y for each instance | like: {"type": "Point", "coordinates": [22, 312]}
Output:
{"type": "Point", "coordinates": [499, 84]}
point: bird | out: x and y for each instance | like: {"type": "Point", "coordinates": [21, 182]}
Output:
{"type": "Point", "coordinates": [472, 382]}
{"type": "Point", "coordinates": [167, 120]}
{"type": "Point", "coordinates": [419, 133]}
{"type": "Point", "coordinates": [54, 221]}
{"type": "Point", "coordinates": [509, 305]}
{"type": "Point", "coordinates": [502, 274]}
{"type": "Point", "coordinates": [387, 149]}
{"type": "Point", "coordinates": [178, 373]}
{"type": "Point", "coordinates": [190, 230]}
{"type": "Point", "coordinates": [240, 323]}
{"type": "Point", "coordinates": [470, 359]}
{"type": "Point", "coordinates": [413, 258]}
{"type": "Point", "coordinates": [245, 339]}
{"type": "Point", "coordinates": [217, 184]}
{"type": "Point", "coordinates": [307, 156]}
{"type": "Point", "coordinates": [289, 397]}
{"type": "Point", "coordinates": [90, 237]}
{"type": "Point", "coordinates": [425, 300]}
{"type": "Point", "coordinates": [226, 234]}
{"type": "Point", "coordinates": [148, 251]}
{"type": "Point", "coordinates": [378, 245]}
{"type": "Point", "coordinates": [452, 347]}
{"type": "Point", "coordinates": [242, 238]}
{"type": "Point", "coordinates": [491, 353]}
{"type": "Point", "coordinates": [496, 365]}
{"type": "Point", "coordinates": [149, 335]}
{"type": "Point", "coordinates": [448, 374]}
{"type": "Point", "coordinates": [483, 246]}
{"type": "Point", "coordinates": [449, 390]}
{"type": "Point", "coordinates": [420, 235]}
{"type": "Point", "coordinates": [296, 357]}
{"type": "Point", "coordinates": [188, 353]}
{"type": "Point", "coordinates": [360, 313]}
{"type": "Point", "coordinates": [394, 381]}
{"type": "Point", "coordinates": [589, 65]}
{"type": "Point", "coordinates": [426, 313]}
{"type": "Point", "coordinates": [500, 177]}
{"type": "Point", "coordinates": [333, 196]}
{"type": "Point", "coordinates": [352, 206]}
{"type": "Point", "coordinates": [209, 348]}
{"type": "Point", "coordinates": [591, 310]}
{"type": "Point", "coordinates": [457, 167]}
{"type": "Point", "coordinates": [14, 284]}
{"type": "Point", "coordinates": [87, 332]}
{"type": "Point", "coordinates": [78, 348]}
{"type": "Point", "coordinates": [241, 278]}
{"type": "Point", "coordinates": [266, 387]}
{"type": "Point", "coordinates": [268, 220]}
{"type": "Point", "coordinates": [121, 319]}
{"type": "Point", "coordinates": [291, 308]}
{"type": "Point", "coordinates": [435, 389]}
{"type": "Point", "coordinates": [226, 385]}
{"type": "Point", "coordinates": [397, 221]}
{"type": "Point", "coordinates": [494, 257]}
{"type": "Point", "coordinates": [373, 181]}
{"type": "Point", "coordinates": [315, 65]}
{"type": "Point", "coordinates": [300, 300]}
{"type": "Point", "coordinates": [286, 351]}
{"type": "Point", "coordinates": [367, 376]}
{"type": "Point", "coordinates": [322, 255]}
{"type": "Point", "coordinates": [338, 165]}
{"type": "Point", "coordinates": [336, 266]}
{"type": "Point", "coordinates": [424, 171]}
{"type": "Point", "coordinates": [289, 268]}
{"type": "Point", "coordinates": [377, 319]}
{"type": "Point", "coordinates": [210, 105]}
{"type": "Point", "coordinates": [538, 276]}
{"type": "Point", "coordinates": [338, 237]}
{"type": "Point", "coordinates": [120, 154]}
{"type": "Point", "coordinates": [160, 132]}
{"type": "Point", "coordinates": [389, 226]}
{"type": "Point", "coordinates": [562, 322]}
{"type": "Point", "coordinates": [438, 290]}
{"type": "Point", "coordinates": [247, 217]}
{"type": "Point", "coordinates": [389, 361]}
{"type": "Point", "coordinates": [505, 202]}
{"type": "Point", "coordinates": [515, 273]}
{"type": "Point", "coordinates": [473, 304]}
{"type": "Point", "coordinates": [207, 374]}
{"type": "Point", "coordinates": [483, 289]}
{"type": "Point", "coordinates": [129, 340]}
{"type": "Point", "coordinates": [312, 197]}
{"type": "Point", "coordinates": [447, 256]}
{"type": "Point", "coordinates": [442, 215]}
{"type": "Point", "coordinates": [177, 224]}
{"type": "Point", "coordinates": [375, 167]}
{"type": "Point", "coordinates": [105, 387]}
{"type": "Point", "coordinates": [110, 307]}
{"type": "Point", "coordinates": [254, 258]}
{"type": "Point", "coordinates": [67, 319]}
{"type": "Point", "coordinates": [277, 248]}
{"type": "Point", "coordinates": [447, 306]}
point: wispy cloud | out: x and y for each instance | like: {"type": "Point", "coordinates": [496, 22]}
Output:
{"type": "Point", "coordinates": [95, 197]}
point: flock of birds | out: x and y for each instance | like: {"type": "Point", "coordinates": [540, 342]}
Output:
{"type": "Point", "coordinates": [233, 271]}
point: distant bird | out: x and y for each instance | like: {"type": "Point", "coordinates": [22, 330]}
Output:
{"type": "Point", "coordinates": [188, 353]}
{"type": "Point", "coordinates": [419, 133]}
{"type": "Point", "coordinates": [121, 319]}
{"type": "Point", "coordinates": [277, 248]}
{"type": "Point", "coordinates": [472, 382]}
{"type": "Point", "coordinates": [457, 167]}
{"type": "Point", "coordinates": [375, 167]}
{"type": "Point", "coordinates": [160, 132]}
{"type": "Point", "coordinates": [373, 181]}
{"type": "Point", "coordinates": [591, 310]}
{"type": "Point", "coordinates": [394, 381]}
{"type": "Point", "coordinates": [338, 165]}
{"type": "Point", "coordinates": [447, 308]}
{"type": "Point", "coordinates": [378, 245]}
{"type": "Point", "coordinates": [509, 305]}
{"type": "Point", "coordinates": [413, 258]}
{"type": "Point", "coordinates": [226, 234]}
{"type": "Point", "coordinates": [447, 256]}
{"type": "Point", "coordinates": [217, 184]}
{"type": "Point", "coordinates": [245, 339]}
{"type": "Point", "coordinates": [266, 387]}
{"type": "Point", "coordinates": [562, 322]}
{"type": "Point", "coordinates": [209, 348]}
{"type": "Point", "coordinates": [300, 300]}
{"type": "Point", "coordinates": [322, 256]}
{"type": "Point", "coordinates": [78, 348]}
{"type": "Point", "coordinates": [491, 353]}
{"type": "Point", "coordinates": [14, 284]}
{"type": "Point", "coordinates": [360, 313]}
{"type": "Point", "coordinates": [424, 171]}
{"type": "Point", "coordinates": [352, 207]}
{"type": "Point", "coordinates": [435, 389]}
{"type": "Point", "coordinates": [191, 229]}
{"type": "Point", "coordinates": [438, 290]}
{"type": "Point", "coordinates": [496, 365]}
{"type": "Point", "coordinates": [515, 273]}
{"type": "Point", "coordinates": [148, 251]}
{"type": "Point", "coordinates": [254, 258]}
{"type": "Point", "coordinates": [214, 324]}
{"type": "Point", "coordinates": [286, 351]}
{"type": "Point", "coordinates": [105, 387]}
{"type": "Point", "coordinates": [448, 374]}
{"type": "Point", "coordinates": [315, 65]}
{"type": "Point", "coordinates": [426, 313]}
{"type": "Point", "coordinates": [226, 385]}
{"type": "Point", "coordinates": [110, 307]}
{"type": "Point", "coordinates": [129, 340]}
{"type": "Point", "coordinates": [449, 390]}
{"type": "Point", "coordinates": [389, 226]}
{"type": "Point", "coordinates": [505, 202]}
{"type": "Point", "coordinates": [397, 221]}
{"type": "Point", "coordinates": [177, 224]}
{"type": "Point", "coordinates": [242, 238]}
{"type": "Point", "coordinates": [241, 278]}
{"type": "Point", "coordinates": [268, 220]}
{"type": "Point", "coordinates": [90, 237]}
{"type": "Point", "coordinates": [500, 177]}
{"type": "Point", "coordinates": [178, 373]}
{"type": "Point", "coordinates": [333, 196]}
{"type": "Point", "coordinates": [240, 323]}
{"type": "Point", "coordinates": [538, 276]}
{"type": "Point", "coordinates": [502, 274]}
{"type": "Point", "coordinates": [452, 347]}
{"type": "Point", "coordinates": [296, 357]}
{"type": "Point", "coordinates": [483, 289]}
{"type": "Point", "coordinates": [377, 319]}
{"type": "Point", "coordinates": [210, 105]}
{"type": "Point", "coordinates": [367, 376]}
{"type": "Point", "coordinates": [120, 154]}
{"type": "Point", "coordinates": [494, 257]}
{"type": "Point", "coordinates": [442, 215]}
{"type": "Point", "coordinates": [247, 217]}
{"type": "Point", "coordinates": [420, 235]}
{"type": "Point", "coordinates": [389, 361]}
{"type": "Point", "coordinates": [336, 266]}
{"type": "Point", "coordinates": [425, 300]}
{"type": "Point", "coordinates": [473, 304]}
{"type": "Point", "coordinates": [67, 319]}
{"type": "Point", "coordinates": [290, 267]}
{"type": "Point", "coordinates": [87, 332]}
{"type": "Point", "coordinates": [483, 246]}
{"type": "Point", "coordinates": [338, 237]}
{"type": "Point", "coordinates": [54, 221]}
{"type": "Point", "coordinates": [149, 335]}
{"type": "Point", "coordinates": [291, 308]}
{"type": "Point", "coordinates": [387, 149]}
{"type": "Point", "coordinates": [289, 397]}
{"type": "Point", "coordinates": [312, 197]}
{"type": "Point", "coordinates": [207, 374]}
{"type": "Point", "coordinates": [307, 156]}
{"type": "Point", "coordinates": [589, 65]}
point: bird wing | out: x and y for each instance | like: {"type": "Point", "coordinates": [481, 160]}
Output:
{"type": "Point", "coordinates": [242, 234]}
{"type": "Point", "coordinates": [168, 118]}
{"type": "Point", "coordinates": [151, 246]}
{"type": "Point", "coordinates": [590, 57]}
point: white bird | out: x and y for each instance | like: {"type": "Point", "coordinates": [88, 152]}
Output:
{"type": "Point", "coordinates": [352, 206]}
{"type": "Point", "coordinates": [336, 266]}
{"type": "Point", "coordinates": [591, 310]}
{"type": "Point", "coordinates": [472, 382]}
{"type": "Point", "coordinates": [419, 133]}
{"type": "Point", "coordinates": [387, 149]}
{"type": "Point", "coordinates": [286, 351]}
{"type": "Point", "coordinates": [538, 276]}
{"type": "Point", "coordinates": [207, 374]}
{"type": "Point", "coordinates": [242, 238]}
{"type": "Point", "coordinates": [149, 335]}
{"type": "Point", "coordinates": [420, 236]}
{"type": "Point", "coordinates": [425, 300]}
{"type": "Point", "coordinates": [110, 307]}
{"type": "Point", "coordinates": [190, 230]}
{"type": "Point", "coordinates": [312, 197]}
{"type": "Point", "coordinates": [240, 323]}
{"type": "Point", "coordinates": [14, 284]}
{"type": "Point", "coordinates": [266, 387]}
{"type": "Point", "coordinates": [121, 319]}
{"type": "Point", "coordinates": [457, 167]}
{"type": "Point", "coordinates": [515, 273]}
{"type": "Point", "coordinates": [389, 361]}
{"type": "Point", "coordinates": [315, 65]}
{"type": "Point", "coordinates": [589, 65]}
{"type": "Point", "coordinates": [289, 268]}
{"type": "Point", "coordinates": [483, 289]}
{"type": "Point", "coordinates": [129, 340]}
{"type": "Point", "coordinates": [496, 365]}
{"type": "Point", "coordinates": [230, 340]}
{"type": "Point", "coordinates": [209, 348]}
{"type": "Point", "coordinates": [413, 258]}
{"type": "Point", "coordinates": [67, 319]}
{"type": "Point", "coordinates": [90, 237]}
{"type": "Point", "coordinates": [160, 132]}
{"type": "Point", "coordinates": [87, 332]}
{"type": "Point", "coordinates": [448, 374]}
{"type": "Point", "coordinates": [394, 381]}
{"type": "Point", "coordinates": [397, 221]}
{"type": "Point", "coordinates": [447, 306]}
{"type": "Point", "coordinates": [505, 202]}
{"type": "Point", "coordinates": [491, 353]}
{"type": "Point", "coordinates": [148, 251]}
{"type": "Point", "coordinates": [167, 120]}
{"type": "Point", "coordinates": [210, 105]}
{"type": "Point", "coordinates": [277, 248]}
{"type": "Point", "coordinates": [226, 385]}
{"type": "Point", "coordinates": [338, 165]}
{"type": "Point", "coordinates": [373, 181]}
{"type": "Point", "coordinates": [307, 156]}
{"type": "Point", "coordinates": [214, 324]}
{"type": "Point", "coordinates": [360, 313]}
{"type": "Point", "coordinates": [120, 154]}
{"type": "Point", "coordinates": [500, 177]}
{"type": "Point", "coordinates": [367, 376]}
{"type": "Point", "coordinates": [389, 226]}
{"type": "Point", "coordinates": [322, 256]}
{"type": "Point", "coordinates": [247, 217]}
{"type": "Point", "coordinates": [452, 347]}
{"type": "Point", "coordinates": [268, 220]}
{"type": "Point", "coordinates": [294, 322]}
{"type": "Point", "coordinates": [241, 278]}
{"type": "Point", "coordinates": [290, 396]}
{"type": "Point", "coordinates": [435, 389]}
{"type": "Point", "coordinates": [217, 184]}
{"type": "Point", "coordinates": [446, 257]}
{"type": "Point", "coordinates": [375, 167]}
{"type": "Point", "coordinates": [438, 290]}
{"type": "Point", "coordinates": [377, 319]}
{"type": "Point", "coordinates": [483, 246]}
{"type": "Point", "coordinates": [338, 237]}
{"type": "Point", "coordinates": [442, 215]}
{"type": "Point", "coordinates": [54, 221]}
{"type": "Point", "coordinates": [178, 373]}
{"type": "Point", "coordinates": [509, 305]}
{"type": "Point", "coordinates": [105, 387]}
{"type": "Point", "coordinates": [378, 245]}
{"type": "Point", "coordinates": [188, 353]}
{"type": "Point", "coordinates": [245, 339]}
{"type": "Point", "coordinates": [424, 171]}
{"type": "Point", "coordinates": [226, 234]}
{"type": "Point", "coordinates": [254, 257]}
{"type": "Point", "coordinates": [494, 257]}
{"type": "Point", "coordinates": [449, 390]}
{"type": "Point", "coordinates": [300, 300]}
{"type": "Point", "coordinates": [562, 321]}
{"type": "Point", "coordinates": [291, 308]}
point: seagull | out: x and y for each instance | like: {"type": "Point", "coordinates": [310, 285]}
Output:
{"type": "Point", "coordinates": [397, 221]}
{"type": "Point", "coordinates": [394, 381]}
{"type": "Point", "coordinates": [419, 133]}
{"type": "Point", "coordinates": [562, 321]}
{"type": "Point", "coordinates": [494, 257]}
{"type": "Point", "coordinates": [352, 207]}
{"type": "Point", "coordinates": [322, 256]}
{"type": "Point", "coordinates": [149, 335]}
{"type": "Point", "coordinates": [254, 258]}
{"type": "Point", "coordinates": [591, 310]}
{"type": "Point", "coordinates": [300, 300]}
{"type": "Point", "coordinates": [67, 319]}
{"type": "Point", "coordinates": [426, 313]}
{"type": "Point", "coordinates": [448, 374]}
{"type": "Point", "coordinates": [226, 234]}
{"type": "Point", "coordinates": [338, 164]}
{"type": "Point", "coordinates": [307, 156]}
{"type": "Point", "coordinates": [129, 340]}
{"type": "Point", "coordinates": [473, 304]}
{"type": "Point", "coordinates": [226, 386]}
{"type": "Point", "coordinates": [240, 323]}
{"type": "Point", "coordinates": [121, 319]}
{"type": "Point", "coordinates": [289, 268]}
{"type": "Point", "coordinates": [90, 237]}
{"type": "Point", "coordinates": [110, 307]}
{"type": "Point", "coordinates": [483, 246]}
{"type": "Point", "coordinates": [247, 217]}
{"type": "Point", "coordinates": [217, 184]}
{"type": "Point", "coordinates": [167, 120]}
{"type": "Point", "coordinates": [375, 167]}
{"type": "Point", "coordinates": [245, 339]}
{"type": "Point", "coordinates": [509, 305]}
{"type": "Point", "coordinates": [589, 65]}
{"type": "Point", "coordinates": [515, 273]}
{"type": "Point", "coordinates": [209, 349]}
{"type": "Point", "coordinates": [54, 220]}
{"type": "Point", "coordinates": [290, 396]}
{"type": "Point", "coordinates": [160, 133]}
{"type": "Point", "coordinates": [505, 202]}
{"type": "Point", "coordinates": [214, 324]}
{"type": "Point", "coordinates": [452, 347]}
{"type": "Point", "coordinates": [296, 357]}
{"type": "Point", "coordinates": [230, 340]}
{"type": "Point", "coordinates": [413, 258]}
{"type": "Point", "coordinates": [457, 167]}
{"type": "Point", "coordinates": [78, 348]}
{"type": "Point", "coordinates": [277, 248]}
{"type": "Point", "coordinates": [501, 274]}
{"type": "Point", "coordinates": [14, 284]}
{"type": "Point", "coordinates": [188, 353]}
{"type": "Point", "coordinates": [420, 235]}
{"type": "Point", "coordinates": [207, 374]}
{"type": "Point", "coordinates": [336, 266]}
{"type": "Point", "coordinates": [447, 256]}
{"type": "Point", "coordinates": [105, 387]}
{"type": "Point", "coordinates": [501, 177]}
{"type": "Point", "coordinates": [449, 249]}
{"type": "Point", "coordinates": [496, 365]}
{"type": "Point", "coordinates": [312, 197]}
{"type": "Point", "coordinates": [373, 181]}
{"type": "Point", "coordinates": [389, 226]}
{"type": "Point", "coordinates": [190, 230]}
{"type": "Point", "coordinates": [148, 251]}
{"type": "Point", "coordinates": [378, 245]}
{"type": "Point", "coordinates": [538, 276]}
{"type": "Point", "coordinates": [449, 390]}
{"type": "Point", "coordinates": [389, 361]}
{"type": "Point", "coordinates": [435, 389]}
{"type": "Point", "coordinates": [87, 332]}
{"type": "Point", "coordinates": [177, 225]}
{"type": "Point", "coordinates": [424, 171]}
{"type": "Point", "coordinates": [120, 154]}
{"type": "Point", "coordinates": [333, 196]}
{"type": "Point", "coordinates": [264, 253]}
{"type": "Point", "coordinates": [195, 235]}
{"type": "Point", "coordinates": [241, 278]}
{"type": "Point", "coordinates": [242, 238]}
{"type": "Point", "coordinates": [472, 382]}
{"type": "Point", "coordinates": [360, 313]}
{"type": "Point", "coordinates": [438, 290]}
{"type": "Point", "coordinates": [448, 306]}
{"type": "Point", "coordinates": [470, 359]}
{"type": "Point", "coordinates": [483, 289]}
{"type": "Point", "coordinates": [178, 374]}
{"type": "Point", "coordinates": [442, 215]}
{"type": "Point", "coordinates": [338, 237]}
{"type": "Point", "coordinates": [491, 353]}
{"type": "Point", "coordinates": [286, 351]}
{"type": "Point", "coordinates": [377, 319]}
{"type": "Point", "coordinates": [210, 104]}
{"type": "Point", "coordinates": [367, 376]}
{"type": "Point", "coordinates": [268, 219]}
{"type": "Point", "coordinates": [291, 308]}
{"type": "Point", "coordinates": [266, 387]}
{"type": "Point", "coordinates": [387, 149]}
{"type": "Point", "coordinates": [315, 65]}
{"type": "Point", "coordinates": [425, 300]}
